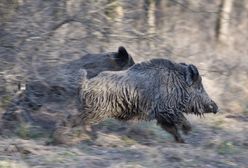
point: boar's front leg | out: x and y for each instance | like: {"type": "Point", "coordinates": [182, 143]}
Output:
{"type": "Point", "coordinates": [185, 125]}
{"type": "Point", "coordinates": [172, 123]}
{"type": "Point", "coordinates": [173, 130]}
{"type": "Point", "coordinates": [72, 121]}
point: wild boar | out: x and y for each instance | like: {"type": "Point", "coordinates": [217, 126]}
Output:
{"type": "Point", "coordinates": [158, 89]}
{"type": "Point", "coordinates": [59, 86]}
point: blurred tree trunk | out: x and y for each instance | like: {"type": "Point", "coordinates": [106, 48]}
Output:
{"type": "Point", "coordinates": [160, 12]}
{"type": "Point", "coordinates": [150, 11]}
{"type": "Point", "coordinates": [222, 26]}
{"type": "Point", "coordinates": [114, 10]}
{"type": "Point", "coordinates": [151, 17]}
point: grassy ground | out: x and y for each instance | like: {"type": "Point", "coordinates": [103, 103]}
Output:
{"type": "Point", "coordinates": [217, 141]}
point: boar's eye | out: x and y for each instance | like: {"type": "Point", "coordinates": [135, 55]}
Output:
{"type": "Point", "coordinates": [199, 88]}
{"type": "Point", "coordinates": [199, 85]}
{"type": "Point", "coordinates": [191, 74]}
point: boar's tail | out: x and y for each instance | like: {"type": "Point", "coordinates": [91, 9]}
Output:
{"type": "Point", "coordinates": [82, 84]}
{"type": "Point", "coordinates": [82, 75]}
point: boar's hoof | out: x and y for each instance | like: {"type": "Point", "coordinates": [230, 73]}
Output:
{"type": "Point", "coordinates": [186, 129]}
{"type": "Point", "coordinates": [179, 140]}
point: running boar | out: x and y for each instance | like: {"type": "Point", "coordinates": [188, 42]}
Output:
{"type": "Point", "coordinates": [158, 89]}
{"type": "Point", "coordinates": [59, 85]}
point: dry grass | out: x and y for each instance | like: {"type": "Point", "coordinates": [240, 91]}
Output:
{"type": "Point", "coordinates": [224, 146]}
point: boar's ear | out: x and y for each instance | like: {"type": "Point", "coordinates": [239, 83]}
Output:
{"type": "Point", "coordinates": [122, 57]}
{"type": "Point", "coordinates": [82, 74]}
{"type": "Point", "coordinates": [192, 74]}
{"type": "Point", "coordinates": [122, 54]}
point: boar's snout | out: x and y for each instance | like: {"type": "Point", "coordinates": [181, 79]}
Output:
{"type": "Point", "coordinates": [212, 107]}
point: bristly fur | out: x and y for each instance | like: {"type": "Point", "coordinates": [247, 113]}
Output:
{"type": "Point", "coordinates": [157, 89]}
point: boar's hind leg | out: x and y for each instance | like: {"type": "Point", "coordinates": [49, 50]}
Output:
{"type": "Point", "coordinates": [72, 121]}
{"type": "Point", "coordinates": [173, 130]}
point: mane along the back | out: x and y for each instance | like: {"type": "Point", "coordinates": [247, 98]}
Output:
{"type": "Point", "coordinates": [157, 63]}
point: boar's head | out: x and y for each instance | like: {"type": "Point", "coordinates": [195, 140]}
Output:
{"type": "Point", "coordinates": [198, 100]}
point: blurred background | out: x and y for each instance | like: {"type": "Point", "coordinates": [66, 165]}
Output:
{"type": "Point", "coordinates": [212, 34]}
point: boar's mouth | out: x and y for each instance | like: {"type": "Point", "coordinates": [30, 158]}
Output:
{"type": "Point", "coordinates": [196, 112]}
{"type": "Point", "coordinates": [200, 111]}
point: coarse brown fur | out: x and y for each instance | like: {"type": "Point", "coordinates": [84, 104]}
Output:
{"type": "Point", "coordinates": [157, 89]}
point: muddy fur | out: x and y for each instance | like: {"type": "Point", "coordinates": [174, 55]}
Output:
{"type": "Point", "coordinates": [157, 89]}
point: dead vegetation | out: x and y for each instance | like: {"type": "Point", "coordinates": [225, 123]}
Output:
{"type": "Point", "coordinates": [210, 34]}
